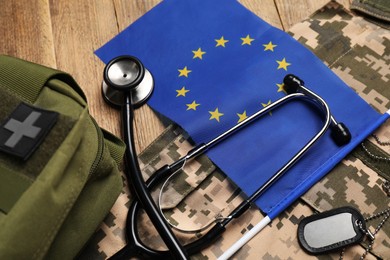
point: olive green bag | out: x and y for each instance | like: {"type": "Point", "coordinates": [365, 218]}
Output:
{"type": "Point", "coordinates": [59, 172]}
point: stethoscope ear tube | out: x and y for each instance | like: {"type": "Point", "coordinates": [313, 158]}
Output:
{"type": "Point", "coordinates": [339, 131]}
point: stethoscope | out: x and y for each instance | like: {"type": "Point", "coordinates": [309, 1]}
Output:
{"type": "Point", "coordinates": [128, 84]}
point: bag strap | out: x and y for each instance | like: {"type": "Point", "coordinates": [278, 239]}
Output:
{"type": "Point", "coordinates": [26, 79]}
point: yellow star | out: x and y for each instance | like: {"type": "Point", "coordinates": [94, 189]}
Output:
{"type": "Point", "coordinates": [221, 42]}
{"type": "Point", "coordinates": [184, 72]}
{"type": "Point", "coordinates": [192, 106]}
{"type": "Point", "coordinates": [269, 46]}
{"type": "Point", "coordinates": [198, 53]}
{"type": "Point", "coordinates": [242, 116]}
{"type": "Point", "coordinates": [182, 92]}
{"type": "Point", "coordinates": [267, 104]}
{"type": "Point", "coordinates": [281, 88]}
{"type": "Point", "coordinates": [247, 40]}
{"type": "Point", "coordinates": [283, 64]}
{"type": "Point", "coordinates": [215, 114]}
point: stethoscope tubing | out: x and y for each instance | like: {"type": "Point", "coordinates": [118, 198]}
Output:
{"type": "Point", "coordinates": [135, 180]}
{"type": "Point", "coordinates": [135, 247]}
{"type": "Point", "coordinates": [141, 189]}
{"type": "Point", "coordinates": [135, 243]}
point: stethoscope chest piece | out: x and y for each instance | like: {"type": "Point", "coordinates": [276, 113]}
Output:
{"type": "Point", "coordinates": [126, 74]}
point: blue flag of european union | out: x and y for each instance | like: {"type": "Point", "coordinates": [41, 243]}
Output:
{"type": "Point", "coordinates": [215, 63]}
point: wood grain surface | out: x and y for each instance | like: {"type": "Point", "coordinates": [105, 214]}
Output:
{"type": "Point", "coordinates": [64, 34]}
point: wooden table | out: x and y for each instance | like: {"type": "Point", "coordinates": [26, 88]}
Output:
{"type": "Point", "coordinates": [63, 34]}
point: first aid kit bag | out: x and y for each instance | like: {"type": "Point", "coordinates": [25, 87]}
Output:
{"type": "Point", "coordinates": [59, 173]}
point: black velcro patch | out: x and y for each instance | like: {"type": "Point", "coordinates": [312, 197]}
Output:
{"type": "Point", "coordinates": [25, 129]}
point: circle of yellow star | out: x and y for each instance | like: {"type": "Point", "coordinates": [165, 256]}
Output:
{"type": "Point", "coordinates": [184, 72]}
{"type": "Point", "coordinates": [221, 42]}
{"type": "Point", "coordinates": [215, 114]}
{"type": "Point", "coordinates": [283, 64]}
{"type": "Point", "coordinates": [242, 116]}
{"type": "Point", "coordinates": [198, 53]}
{"type": "Point", "coordinates": [247, 40]}
{"type": "Point", "coordinates": [269, 46]}
{"type": "Point", "coordinates": [182, 92]}
{"type": "Point", "coordinates": [192, 106]}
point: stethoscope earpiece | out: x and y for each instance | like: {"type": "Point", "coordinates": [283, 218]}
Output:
{"type": "Point", "coordinates": [292, 83]}
{"type": "Point", "coordinates": [340, 134]}
{"type": "Point", "coordinates": [126, 74]}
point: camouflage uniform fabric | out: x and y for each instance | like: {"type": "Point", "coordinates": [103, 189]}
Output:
{"type": "Point", "coordinates": [356, 50]}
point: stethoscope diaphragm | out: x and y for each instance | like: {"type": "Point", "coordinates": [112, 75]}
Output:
{"type": "Point", "coordinates": [126, 74]}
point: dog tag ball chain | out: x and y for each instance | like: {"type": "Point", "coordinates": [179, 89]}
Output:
{"type": "Point", "coordinates": [385, 213]}
{"type": "Point", "coordinates": [339, 228]}
{"type": "Point", "coordinates": [371, 235]}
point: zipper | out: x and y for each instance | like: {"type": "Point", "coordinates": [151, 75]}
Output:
{"type": "Point", "coordinates": [99, 153]}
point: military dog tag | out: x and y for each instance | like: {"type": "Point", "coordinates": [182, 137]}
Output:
{"type": "Point", "coordinates": [331, 230]}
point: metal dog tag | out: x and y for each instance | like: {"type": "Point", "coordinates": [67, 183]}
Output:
{"type": "Point", "coordinates": [331, 230]}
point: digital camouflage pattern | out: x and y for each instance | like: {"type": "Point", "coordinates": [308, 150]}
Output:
{"type": "Point", "coordinates": [356, 50]}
